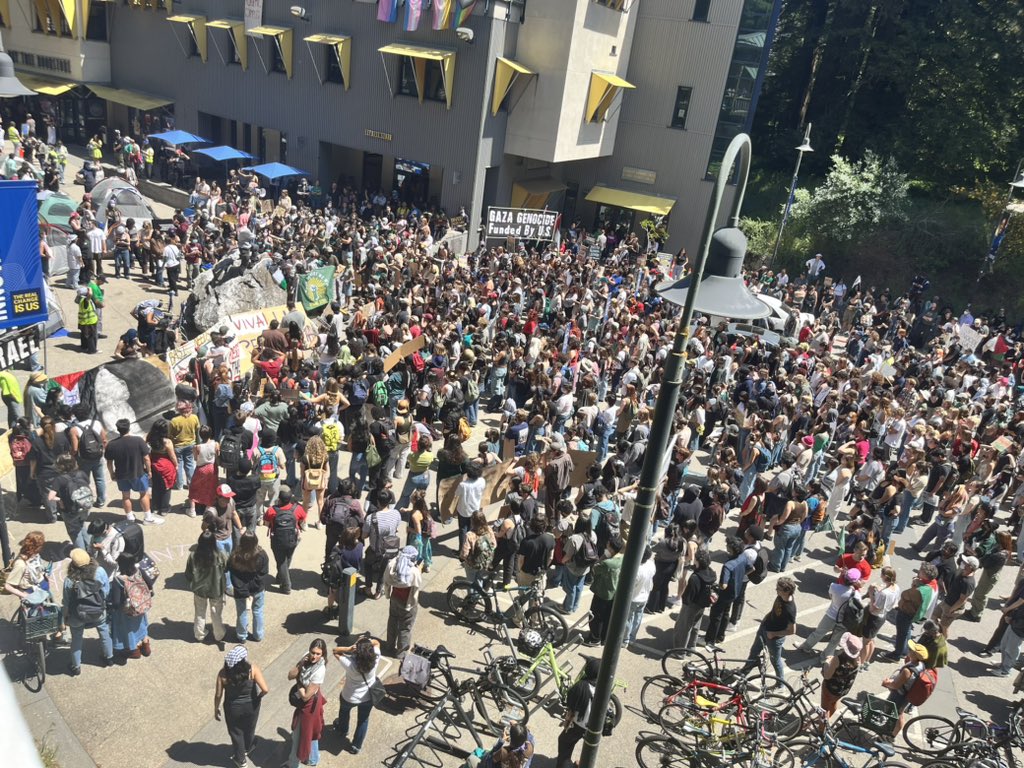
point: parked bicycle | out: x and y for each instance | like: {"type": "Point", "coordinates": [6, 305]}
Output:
{"type": "Point", "coordinates": [750, 748]}
{"type": "Point", "coordinates": [497, 703]}
{"type": "Point", "coordinates": [829, 750]}
{"type": "Point", "coordinates": [476, 601]}
{"type": "Point", "coordinates": [936, 735]}
{"type": "Point", "coordinates": [525, 673]}
{"type": "Point", "coordinates": [39, 621]}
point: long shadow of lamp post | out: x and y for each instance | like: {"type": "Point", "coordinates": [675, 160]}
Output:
{"type": "Point", "coordinates": [721, 293]}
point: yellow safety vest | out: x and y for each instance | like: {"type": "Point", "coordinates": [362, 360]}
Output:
{"type": "Point", "coordinates": [87, 311]}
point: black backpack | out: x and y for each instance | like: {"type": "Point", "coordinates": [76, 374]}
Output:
{"type": "Point", "coordinates": [134, 539]}
{"type": "Point", "coordinates": [232, 451]}
{"type": "Point", "coordinates": [586, 554]}
{"type": "Point", "coordinates": [89, 445]}
{"type": "Point", "coordinates": [760, 567]}
{"type": "Point", "coordinates": [852, 614]}
{"type": "Point", "coordinates": [518, 533]}
{"type": "Point", "coordinates": [706, 597]}
{"type": "Point", "coordinates": [340, 512]}
{"type": "Point", "coordinates": [286, 528]}
{"type": "Point", "coordinates": [88, 602]}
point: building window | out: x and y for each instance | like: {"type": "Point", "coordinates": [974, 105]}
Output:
{"type": "Point", "coordinates": [749, 59]}
{"type": "Point", "coordinates": [277, 60]}
{"type": "Point", "coordinates": [617, 5]}
{"type": "Point", "coordinates": [233, 57]}
{"type": "Point", "coordinates": [682, 107]}
{"type": "Point", "coordinates": [333, 67]}
{"type": "Point", "coordinates": [701, 9]}
{"type": "Point", "coordinates": [433, 89]}
{"type": "Point", "coordinates": [97, 22]}
{"type": "Point", "coordinates": [50, 26]}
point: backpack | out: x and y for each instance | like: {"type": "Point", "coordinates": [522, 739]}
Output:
{"type": "Point", "coordinates": [139, 309]}
{"type": "Point", "coordinates": [331, 573]}
{"type": "Point", "coordinates": [267, 466]}
{"type": "Point", "coordinates": [585, 555]}
{"type": "Point", "coordinates": [922, 687]}
{"type": "Point", "coordinates": [89, 445]}
{"type": "Point", "coordinates": [418, 363]}
{"type": "Point", "coordinates": [852, 613]}
{"type": "Point", "coordinates": [21, 447]}
{"type": "Point", "coordinates": [340, 513]}
{"type": "Point", "coordinates": [88, 603]}
{"type": "Point", "coordinates": [472, 391]}
{"type": "Point", "coordinates": [518, 534]}
{"type": "Point", "coordinates": [437, 398]}
{"type": "Point", "coordinates": [482, 554]}
{"type": "Point", "coordinates": [379, 393]}
{"type": "Point", "coordinates": [359, 391]}
{"type": "Point", "coordinates": [331, 435]}
{"type": "Point", "coordinates": [134, 540]}
{"type": "Point", "coordinates": [601, 425]}
{"type": "Point", "coordinates": [286, 528]}
{"type": "Point", "coordinates": [138, 597]}
{"type": "Point", "coordinates": [82, 499]}
{"type": "Point", "coordinates": [465, 431]}
{"type": "Point", "coordinates": [760, 567]}
{"type": "Point", "coordinates": [232, 451]}
{"type": "Point", "coordinates": [707, 595]}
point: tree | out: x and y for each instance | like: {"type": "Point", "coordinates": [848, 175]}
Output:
{"type": "Point", "coordinates": [857, 198]}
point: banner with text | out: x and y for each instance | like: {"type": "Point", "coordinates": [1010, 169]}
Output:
{"type": "Point", "coordinates": [253, 14]}
{"type": "Point", "coordinates": [21, 270]}
{"type": "Point", "coordinates": [19, 346]}
{"type": "Point", "coordinates": [521, 223]}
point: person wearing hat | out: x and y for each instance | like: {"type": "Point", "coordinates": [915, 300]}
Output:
{"type": "Point", "coordinates": [906, 677]}
{"type": "Point", "coordinates": [840, 671]}
{"type": "Point", "coordinates": [558, 469]}
{"type": "Point", "coordinates": [86, 588]}
{"type": "Point", "coordinates": [841, 594]}
{"type": "Point", "coordinates": [88, 320]}
{"type": "Point", "coordinates": [241, 686]}
{"type": "Point", "coordinates": [959, 589]}
{"type": "Point", "coordinates": [128, 463]}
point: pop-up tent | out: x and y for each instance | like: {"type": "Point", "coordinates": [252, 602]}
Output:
{"type": "Point", "coordinates": [223, 154]}
{"type": "Point", "coordinates": [275, 171]}
{"type": "Point", "coordinates": [179, 138]}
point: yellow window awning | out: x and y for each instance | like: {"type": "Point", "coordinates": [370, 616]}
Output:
{"type": "Point", "coordinates": [196, 26]}
{"type": "Point", "coordinates": [420, 55]}
{"type": "Point", "coordinates": [342, 47]}
{"type": "Point", "coordinates": [282, 37]}
{"type": "Point", "coordinates": [67, 10]}
{"type": "Point", "coordinates": [634, 201]}
{"type": "Point", "coordinates": [604, 87]}
{"type": "Point", "coordinates": [237, 29]}
{"type": "Point", "coordinates": [5, 12]}
{"type": "Point", "coordinates": [506, 72]}
{"type": "Point", "coordinates": [45, 85]}
{"type": "Point", "coordinates": [534, 193]}
{"type": "Point", "coordinates": [128, 98]}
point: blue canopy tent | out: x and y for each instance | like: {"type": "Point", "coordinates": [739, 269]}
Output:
{"type": "Point", "coordinates": [179, 137]}
{"type": "Point", "coordinates": [275, 171]}
{"type": "Point", "coordinates": [223, 154]}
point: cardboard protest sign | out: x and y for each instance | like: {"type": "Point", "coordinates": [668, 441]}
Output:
{"type": "Point", "coordinates": [404, 351]}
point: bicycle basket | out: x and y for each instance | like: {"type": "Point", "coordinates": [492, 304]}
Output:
{"type": "Point", "coordinates": [879, 715]}
{"type": "Point", "coordinates": [415, 670]}
{"type": "Point", "coordinates": [530, 642]}
{"type": "Point", "coordinates": [41, 623]}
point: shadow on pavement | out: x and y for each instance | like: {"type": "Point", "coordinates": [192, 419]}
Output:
{"type": "Point", "coordinates": [167, 629]}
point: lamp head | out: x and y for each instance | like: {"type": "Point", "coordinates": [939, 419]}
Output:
{"type": "Point", "coordinates": [299, 12]}
{"type": "Point", "coordinates": [1019, 183]}
{"type": "Point", "coordinates": [9, 84]}
{"type": "Point", "coordinates": [722, 290]}
{"type": "Point", "coordinates": [806, 146]}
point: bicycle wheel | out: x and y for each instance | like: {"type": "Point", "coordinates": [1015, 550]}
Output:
{"type": "Point", "coordinates": [808, 753]}
{"type": "Point", "coordinates": [931, 734]}
{"type": "Point", "coordinates": [549, 622]}
{"type": "Point", "coordinates": [614, 710]}
{"type": "Point", "coordinates": [516, 674]}
{"type": "Point", "coordinates": [712, 730]}
{"type": "Point", "coordinates": [40, 651]}
{"type": "Point", "coordinates": [657, 751]}
{"type": "Point", "coordinates": [655, 692]}
{"type": "Point", "coordinates": [436, 687]}
{"type": "Point", "coordinates": [768, 692]}
{"type": "Point", "coordinates": [686, 664]}
{"type": "Point", "coordinates": [465, 601]}
{"type": "Point", "coordinates": [501, 706]}
{"type": "Point", "coordinates": [940, 763]}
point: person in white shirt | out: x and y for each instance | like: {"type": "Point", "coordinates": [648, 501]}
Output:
{"type": "Point", "coordinates": [841, 593]}
{"type": "Point", "coordinates": [469, 495]}
{"type": "Point", "coordinates": [643, 584]}
{"type": "Point", "coordinates": [98, 249]}
{"type": "Point", "coordinates": [815, 268]}
{"type": "Point", "coordinates": [172, 264]}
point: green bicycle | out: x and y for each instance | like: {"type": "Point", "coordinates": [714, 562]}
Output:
{"type": "Point", "coordinates": [524, 674]}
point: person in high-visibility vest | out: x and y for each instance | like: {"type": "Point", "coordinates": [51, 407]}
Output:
{"type": "Point", "coordinates": [150, 156]}
{"type": "Point", "coordinates": [88, 319]}
{"type": "Point", "coordinates": [14, 137]}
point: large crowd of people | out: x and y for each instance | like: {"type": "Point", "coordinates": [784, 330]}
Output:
{"type": "Point", "coordinates": [888, 423]}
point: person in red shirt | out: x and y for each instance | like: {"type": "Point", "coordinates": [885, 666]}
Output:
{"type": "Point", "coordinates": [286, 520]}
{"type": "Point", "coordinates": [857, 559]}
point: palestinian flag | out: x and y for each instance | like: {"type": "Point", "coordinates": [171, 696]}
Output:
{"type": "Point", "coordinates": [137, 390]}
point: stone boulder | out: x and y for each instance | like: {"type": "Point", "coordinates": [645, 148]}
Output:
{"type": "Point", "coordinates": [229, 288]}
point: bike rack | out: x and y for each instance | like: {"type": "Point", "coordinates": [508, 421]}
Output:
{"type": "Point", "coordinates": [441, 741]}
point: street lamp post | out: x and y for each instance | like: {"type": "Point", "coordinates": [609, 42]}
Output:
{"type": "Point", "coordinates": [804, 147]}
{"type": "Point", "coordinates": [10, 85]}
{"type": "Point", "coordinates": [723, 293]}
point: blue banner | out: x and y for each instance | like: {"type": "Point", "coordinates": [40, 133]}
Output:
{"type": "Point", "coordinates": [21, 270]}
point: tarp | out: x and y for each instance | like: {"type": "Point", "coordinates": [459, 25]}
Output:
{"type": "Point", "coordinates": [179, 137]}
{"type": "Point", "coordinates": [274, 171]}
{"type": "Point", "coordinates": [223, 153]}
{"type": "Point", "coordinates": [21, 271]}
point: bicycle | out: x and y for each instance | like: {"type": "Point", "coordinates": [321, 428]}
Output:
{"type": "Point", "coordinates": [762, 750]}
{"type": "Point", "coordinates": [826, 750]}
{"type": "Point", "coordinates": [936, 735]}
{"type": "Point", "coordinates": [694, 664]}
{"type": "Point", "coordinates": [524, 675]}
{"type": "Point", "coordinates": [38, 621]}
{"type": "Point", "coordinates": [476, 601]}
{"type": "Point", "coordinates": [496, 703]}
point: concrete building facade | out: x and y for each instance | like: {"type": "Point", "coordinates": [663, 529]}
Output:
{"type": "Point", "coordinates": [609, 111]}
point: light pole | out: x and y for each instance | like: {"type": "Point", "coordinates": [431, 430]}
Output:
{"type": "Point", "coordinates": [722, 293]}
{"type": "Point", "coordinates": [804, 147]}
{"type": "Point", "coordinates": [1003, 225]}
{"type": "Point", "coordinates": [10, 85]}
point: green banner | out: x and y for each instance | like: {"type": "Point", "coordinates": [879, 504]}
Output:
{"type": "Point", "coordinates": [316, 288]}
